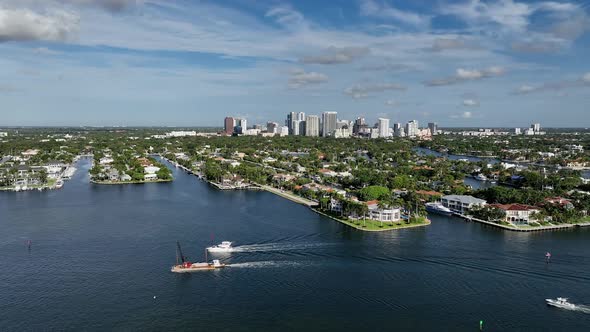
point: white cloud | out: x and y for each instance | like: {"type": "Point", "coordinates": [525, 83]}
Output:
{"type": "Point", "coordinates": [392, 103]}
{"type": "Point", "coordinates": [463, 75]}
{"type": "Point", "coordinates": [286, 15]}
{"type": "Point", "coordinates": [382, 10]}
{"type": "Point", "coordinates": [25, 24]}
{"type": "Point", "coordinates": [110, 5]}
{"type": "Point", "coordinates": [46, 51]}
{"type": "Point", "coordinates": [470, 103]}
{"type": "Point", "coordinates": [363, 91]}
{"type": "Point", "coordinates": [467, 115]}
{"type": "Point", "coordinates": [300, 78]}
{"type": "Point", "coordinates": [336, 55]}
{"type": "Point", "coordinates": [582, 81]}
{"type": "Point", "coordinates": [506, 13]}
{"type": "Point", "coordinates": [586, 77]}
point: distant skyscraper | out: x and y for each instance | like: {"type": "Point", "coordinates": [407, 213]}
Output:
{"type": "Point", "coordinates": [358, 124]}
{"type": "Point", "coordinates": [295, 126]}
{"type": "Point", "coordinates": [228, 125]}
{"type": "Point", "coordinates": [271, 127]}
{"type": "Point", "coordinates": [312, 125]}
{"type": "Point", "coordinates": [412, 128]}
{"type": "Point", "coordinates": [328, 123]}
{"type": "Point", "coordinates": [433, 126]}
{"type": "Point", "coordinates": [291, 116]}
{"type": "Point", "coordinates": [396, 128]}
{"type": "Point", "coordinates": [517, 131]}
{"type": "Point", "coordinates": [383, 127]}
{"type": "Point", "coordinates": [301, 116]}
{"type": "Point", "coordinates": [536, 127]}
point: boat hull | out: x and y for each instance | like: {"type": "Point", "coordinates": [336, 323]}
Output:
{"type": "Point", "coordinates": [195, 268]}
{"type": "Point", "coordinates": [556, 304]}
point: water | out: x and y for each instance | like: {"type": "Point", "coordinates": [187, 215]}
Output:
{"type": "Point", "coordinates": [100, 254]}
{"type": "Point", "coordinates": [429, 152]}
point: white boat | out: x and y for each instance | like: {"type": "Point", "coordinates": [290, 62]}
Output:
{"type": "Point", "coordinates": [224, 246]}
{"type": "Point", "coordinates": [183, 265]}
{"type": "Point", "coordinates": [481, 177]}
{"type": "Point", "coordinates": [437, 207]}
{"type": "Point", "coordinates": [560, 302]}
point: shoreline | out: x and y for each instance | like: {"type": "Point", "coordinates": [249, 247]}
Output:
{"type": "Point", "coordinates": [127, 182]}
{"type": "Point", "coordinates": [360, 228]}
{"type": "Point", "coordinates": [529, 229]}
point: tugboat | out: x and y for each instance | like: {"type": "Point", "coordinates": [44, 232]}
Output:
{"type": "Point", "coordinates": [224, 246]}
{"type": "Point", "coordinates": [184, 266]}
{"type": "Point", "coordinates": [561, 302]}
{"type": "Point", "coordinates": [437, 207]}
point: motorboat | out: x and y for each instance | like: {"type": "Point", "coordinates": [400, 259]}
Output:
{"type": "Point", "coordinates": [224, 246]}
{"type": "Point", "coordinates": [560, 302]}
{"type": "Point", "coordinates": [481, 177]}
{"type": "Point", "coordinates": [183, 265]}
{"type": "Point", "coordinates": [437, 207]}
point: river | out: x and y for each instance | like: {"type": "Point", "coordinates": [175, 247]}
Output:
{"type": "Point", "coordinates": [100, 260]}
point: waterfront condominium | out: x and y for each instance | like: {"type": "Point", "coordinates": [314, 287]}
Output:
{"type": "Point", "coordinates": [312, 125]}
{"type": "Point", "coordinates": [328, 123]}
{"type": "Point", "coordinates": [412, 128]}
{"type": "Point", "coordinates": [383, 127]}
{"type": "Point", "coordinates": [433, 126]}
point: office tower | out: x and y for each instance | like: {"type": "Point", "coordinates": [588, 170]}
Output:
{"type": "Point", "coordinates": [271, 127]}
{"type": "Point", "coordinates": [536, 127]}
{"type": "Point", "coordinates": [228, 125]}
{"type": "Point", "coordinates": [295, 125]}
{"type": "Point", "coordinates": [412, 128]}
{"type": "Point", "coordinates": [312, 125]}
{"type": "Point", "coordinates": [358, 124]}
{"type": "Point", "coordinates": [328, 123]}
{"type": "Point", "coordinates": [289, 122]}
{"type": "Point", "coordinates": [396, 128]}
{"type": "Point", "coordinates": [383, 125]}
{"type": "Point", "coordinates": [433, 126]}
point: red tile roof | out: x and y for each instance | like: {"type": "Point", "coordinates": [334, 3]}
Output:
{"type": "Point", "coordinates": [514, 207]}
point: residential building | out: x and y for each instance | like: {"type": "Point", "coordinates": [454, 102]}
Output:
{"type": "Point", "coordinates": [301, 116]}
{"type": "Point", "coordinates": [383, 214]}
{"type": "Point", "coordinates": [181, 133]}
{"type": "Point", "coordinates": [358, 124]}
{"type": "Point", "coordinates": [433, 126]}
{"type": "Point", "coordinates": [335, 205]}
{"type": "Point", "coordinates": [228, 125]}
{"type": "Point", "coordinates": [462, 203]}
{"type": "Point", "coordinates": [412, 128]}
{"type": "Point", "coordinates": [272, 127]}
{"type": "Point", "coordinates": [517, 214]}
{"type": "Point", "coordinates": [536, 127]}
{"type": "Point", "coordinates": [328, 123]}
{"type": "Point", "coordinates": [312, 125]}
{"type": "Point", "coordinates": [283, 131]}
{"type": "Point", "coordinates": [517, 131]}
{"type": "Point", "coordinates": [295, 126]}
{"type": "Point", "coordinates": [383, 125]}
{"type": "Point", "coordinates": [3, 134]}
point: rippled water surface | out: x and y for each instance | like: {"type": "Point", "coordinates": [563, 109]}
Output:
{"type": "Point", "coordinates": [100, 254]}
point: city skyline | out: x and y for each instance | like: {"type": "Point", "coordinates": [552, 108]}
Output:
{"type": "Point", "coordinates": [161, 63]}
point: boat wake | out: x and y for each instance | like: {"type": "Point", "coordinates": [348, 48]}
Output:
{"type": "Point", "coordinates": [264, 264]}
{"type": "Point", "coordinates": [267, 247]}
{"type": "Point", "coordinates": [580, 308]}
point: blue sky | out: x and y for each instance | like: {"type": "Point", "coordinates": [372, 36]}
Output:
{"type": "Point", "coordinates": [190, 63]}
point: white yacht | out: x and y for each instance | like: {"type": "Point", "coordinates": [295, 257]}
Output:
{"type": "Point", "coordinates": [437, 207]}
{"type": "Point", "coordinates": [560, 302]}
{"type": "Point", "coordinates": [481, 177]}
{"type": "Point", "coordinates": [224, 246]}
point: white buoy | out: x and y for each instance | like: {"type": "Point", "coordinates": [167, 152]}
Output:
{"type": "Point", "coordinates": [154, 297]}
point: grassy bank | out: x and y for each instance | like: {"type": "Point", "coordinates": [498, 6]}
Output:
{"type": "Point", "coordinates": [374, 225]}
{"type": "Point", "coordinates": [128, 182]}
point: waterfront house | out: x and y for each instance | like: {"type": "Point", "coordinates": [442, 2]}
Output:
{"type": "Point", "coordinates": [462, 203]}
{"type": "Point", "coordinates": [106, 160]}
{"type": "Point", "coordinates": [518, 214]}
{"type": "Point", "coordinates": [151, 169]}
{"type": "Point", "coordinates": [126, 177]}
{"type": "Point", "coordinates": [566, 203]}
{"type": "Point", "coordinates": [113, 174]}
{"type": "Point", "coordinates": [384, 214]}
{"type": "Point", "coordinates": [335, 205]}
{"type": "Point", "coordinates": [150, 177]}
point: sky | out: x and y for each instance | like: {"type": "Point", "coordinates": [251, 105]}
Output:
{"type": "Point", "coordinates": [503, 63]}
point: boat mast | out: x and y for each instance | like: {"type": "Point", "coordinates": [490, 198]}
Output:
{"type": "Point", "coordinates": [179, 252]}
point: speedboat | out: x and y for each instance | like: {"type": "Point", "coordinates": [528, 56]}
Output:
{"type": "Point", "coordinates": [560, 302]}
{"type": "Point", "coordinates": [481, 177]}
{"type": "Point", "coordinates": [436, 207]}
{"type": "Point", "coordinates": [224, 246]}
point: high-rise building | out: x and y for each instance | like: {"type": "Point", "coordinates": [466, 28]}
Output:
{"type": "Point", "coordinates": [383, 125]}
{"type": "Point", "coordinates": [295, 126]}
{"type": "Point", "coordinates": [312, 125]}
{"type": "Point", "coordinates": [517, 131]}
{"type": "Point", "coordinates": [301, 116]}
{"type": "Point", "coordinates": [396, 128]}
{"type": "Point", "coordinates": [412, 128]}
{"type": "Point", "coordinates": [271, 127]}
{"type": "Point", "coordinates": [433, 126]}
{"type": "Point", "coordinates": [328, 123]}
{"type": "Point", "coordinates": [536, 127]}
{"type": "Point", "coordinates": [228, 125]}
{"type": "Point", "coordinates": [358, 124]}
{"type": "Point", "coordinates": [289, 122]}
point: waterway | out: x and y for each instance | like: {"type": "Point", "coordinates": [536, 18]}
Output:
{"type": "Point", "coordinates": [100, 259]}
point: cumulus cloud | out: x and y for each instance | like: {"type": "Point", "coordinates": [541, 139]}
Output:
{"type": "Point", "coordinates": [383, 10]}
{"type": "Point", "coordinates": [470, 103]}
{"type": "Point", "coordinates": [25, 24]}
{"type": "Point", "coordinates": [363, 91]}
{"type": "Point", "coordinates": [336, 55]}
{"type": "Point", "coordinates": [537, 46]}
{"type": "Point", "coordinates": [300, 78]}
{"type": "Point", "coordinates": [462, 75]}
